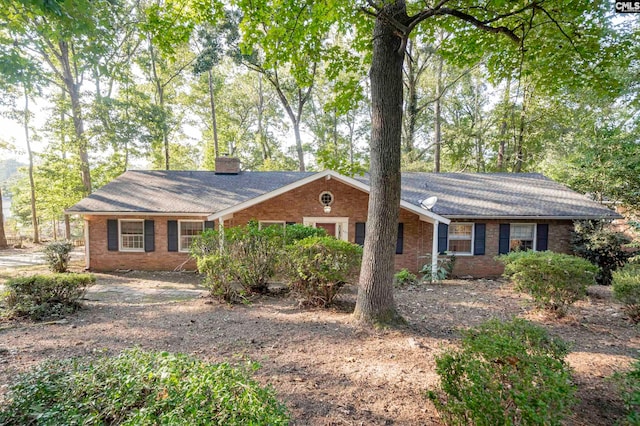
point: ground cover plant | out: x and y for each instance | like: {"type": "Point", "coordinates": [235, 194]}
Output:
{"type": "Point", "coordinates": [45, 296]}
{"type": "Point", "coordinates": [506, 373]}
{"type": "Point", "coordinates": [141, 388]}
{"type": "Point", "coordinates": [630, 386]}
{"type": "Point", "coordinates": [553, 280]}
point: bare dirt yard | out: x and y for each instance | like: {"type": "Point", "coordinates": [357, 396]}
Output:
{"type": "Point", "coordinates": [326, 369]}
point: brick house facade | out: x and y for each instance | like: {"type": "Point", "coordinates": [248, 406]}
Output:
{"type": "Point", "coordinates": [144, 220]}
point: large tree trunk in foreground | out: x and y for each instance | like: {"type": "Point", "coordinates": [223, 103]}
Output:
{"type": "Point", "coordinates": [375, 303]}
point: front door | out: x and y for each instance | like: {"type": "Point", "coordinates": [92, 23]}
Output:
{"type": "Point", "coordinates": [329, 227]}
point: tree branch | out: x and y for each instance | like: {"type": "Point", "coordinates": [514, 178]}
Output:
{"type": "Point", "coordinates": [481, 24]}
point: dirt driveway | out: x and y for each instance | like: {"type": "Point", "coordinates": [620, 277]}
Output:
{"type": "Point", "coordinates": [326, 369]}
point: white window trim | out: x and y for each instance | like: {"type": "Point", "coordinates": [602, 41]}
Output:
{"type": "Point", "coordinates": [473, 237]}
{"type": "Point", "coordinates": [535, 234]}
{"type": "Point", "coordinates": [180, 249]}
{"type": "Point", "coordinates": [267, 223]}
{"type": "Point", "coordinates": [342, 225]}
{"type": "Point", "coordinates": [120, 235]}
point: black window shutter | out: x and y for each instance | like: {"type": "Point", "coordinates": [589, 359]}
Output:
{"type": "Point", "coordinates": [503, 241]}
{"type": "Point", "coordinates": [542, 234]}
{"type": "Point", "coordinates": [443, 237]}
{"type": "Point", "coordinates": [479, 238]}
{"type": "Point", "coordinates": [112, 235]}
{"type": "Point", "coordinates": [400, 241]}
{"type": "Point", "coordinates": [172, 235]}
{"type": "Point", "coordinates": [149, 236]}
{"type": "Point", "coordinates": [360, 232]}
{"type": "Point", "coordinates": [208, 224]}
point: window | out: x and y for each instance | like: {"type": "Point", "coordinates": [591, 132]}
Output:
{"type": "Point", "coordinates": [265, 223]}
{"type": "Point", "coordinates": [189, 230]}
{"type": "Point", "coordinates": [326, 198]}
{"type": "Point", "coordinates": [132, 235]}
{"type": "Point", "coordinates": [460, 238]}
{"type": "Point", "coordinates": [522, 237]}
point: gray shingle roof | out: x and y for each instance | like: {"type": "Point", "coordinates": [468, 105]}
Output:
{"type": "Point", "coordinates": [459, 195]}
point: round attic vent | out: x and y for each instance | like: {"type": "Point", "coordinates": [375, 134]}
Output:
{"type": "Point", "coordinates": [326, 198]}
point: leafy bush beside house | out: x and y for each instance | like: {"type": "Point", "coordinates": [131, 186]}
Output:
{"type": "Point", "coordinates": [141, 388]}
{"type": "Point", "coordinates": [43, 296]}
{"type": "Point", "coordinates": [506, 373]}
{"type": "Point", "coordinates": [600, 245]}
{"type": "Point", "coordinates": [626, 290]}
{"type": "Point", "coordinates": [316, 268]}
{"type": "Point", "coordinates": [553, 280]}
{"type": "Point", "coordinates": [58, 255]}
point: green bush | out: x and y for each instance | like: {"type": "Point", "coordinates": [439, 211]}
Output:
{"type": "Point", "coordinates": [141, 388]}
{"type": "Point", "coordinates": [316, 268]}
{"type": "Point", "coordinates": [553, 280]}
{"type": "Point", "coordinates": [626, 290]}
{"type": "Point", "coordinates": [444, 269]}
{"type": "Point", "coordinates": [630, 387]}
{"type": "Point", "coordinates": [247, 255]}
{"type": "Point", "coordinates": [404, 278]}
{"type": "Point", "coordinates": [58, 255]}
{"type": "Point", "coordinates": [506, 373]}
{"type": "Point", "coordinates": [600, 245]}
{"type": "Point", "coordinates": [42, 296]}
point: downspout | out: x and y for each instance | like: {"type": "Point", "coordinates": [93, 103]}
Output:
{"type": "Point", "coordinates": [434, 250]}
{"type": "Point", "coordinates": [87, 256]}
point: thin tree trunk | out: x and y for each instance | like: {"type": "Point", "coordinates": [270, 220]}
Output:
{"type": "Point", "coordinates": [412, 104]}
{"type": "Point", "coordinates": [160, 103]}
{"type": "Point", "coordinates": [3, 237]}
{"type": "Point", "coordinates": [520, 138]}
{"type": "Point", "coordinates": [437, 119]}
{"type": "Point", "coordinates": [73, 88]}
{"type": "Point", "coordinates": [54, 228]}
{"type": "Point", "coordinates": [34, 216]}
{"type": "Point", "coordinates": [67, 227]}
{"type": "Point", "coordinates": [375, 302]}
{"type": "Point", "coordinates": [503, 126]}
{"type": "Point", "coordinates": [214, 123]}
{"type": "Point", "coordinates": [262, 139]}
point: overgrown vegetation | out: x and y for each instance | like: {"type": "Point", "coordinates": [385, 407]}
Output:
{"type": "Point", "coordinates": [404, 278]}
{"type": "Point", "coordinates": [554, 280]}
{"type": "Point", "coordinates": [600, 245]}
{"type": "Point", "coordinates": [444, 269]}
{"type": "Point", "coordinates": [58, 255]}
{"type": "Point", "coordinates": [141, 388]}
{"type": "Point", "coordinates": [506, 373]}
{"type": "Point", "coordinates": [242, 260]}
{"type": "Point", "coordinates": [626, 290]}
{"type": "Point", "coordinates": [630, 388]}
{"type": "Point", "coordinates": [316, 268]}
{"type": "Point", "coordinates": [44, 296]}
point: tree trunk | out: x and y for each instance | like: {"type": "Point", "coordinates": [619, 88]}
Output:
{"type": "Point", "coordinates": [503, 125]}
{"type": "Point", "coordinates": [213, 116]}
{"type": "Point", "coordinates": [375, 303]}
{"type": "Point", "coordinates": [160, 103]}
{"type": "Point", "coordinates": [32, 185]}
{"type": "Point", "coordinates": [412, 104]}
{"type": "Point", "coordinates": [3, 237]}
{"type": "Point", "coordinates": [67, 227]}
{"type": "Point", "coordinates": [73, 88]}
{"type": "Point", "coordinates": [437, 119]}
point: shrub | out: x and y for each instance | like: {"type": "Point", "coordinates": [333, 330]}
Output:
{"type": "Point", "coordinates": [141, 388]}
{"type": "Point", "coordinates": [506, 373]}
{"type": "Point", "coordinates": [297, 232]}
{"type": "Point", "coordinates": [596, 242]}
{"type": "Point", "coordinates": [316, 268]}
{"type": "Point", "coordinates": [219, 279]}
{"type": "Point", "coordinates": [404, 278]}
{"type": "Point", "coordinates": [444, 269]}
{"type": "Point", "coordinates": [58, 255]}
{"type": "Point", "coordinates": [630, 387]}
{"type": "Point", "coordinates": [553, 280]}
{"type": "Point", "coordinates": [42, 296]}
{"type": "Point", "coordinates": [626, 290]}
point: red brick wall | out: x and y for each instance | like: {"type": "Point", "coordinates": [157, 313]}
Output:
{"type": "Point", "coordinates": [161, 259]}
{"type": "Point", "coordinates": [486, 266]}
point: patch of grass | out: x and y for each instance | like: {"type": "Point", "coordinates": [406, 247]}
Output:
{"type": "Point", "coordinates": [141, 388]}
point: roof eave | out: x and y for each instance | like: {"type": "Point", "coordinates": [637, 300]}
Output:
{"type": "Point", "coordinates": [506, 217]}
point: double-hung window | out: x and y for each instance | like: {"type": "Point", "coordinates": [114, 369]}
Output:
{"type": "Point", "coordinates": [132, 235]}
{"type": "Point", "coordinates": [522, 237]}
{"type": "Point", "coordinates": [188, 231]}
{"type": "Point", "coordinates": [460, 238]}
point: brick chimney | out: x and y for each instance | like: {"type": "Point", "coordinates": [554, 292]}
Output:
{"type": "Point", "coordinates": [227, 166]}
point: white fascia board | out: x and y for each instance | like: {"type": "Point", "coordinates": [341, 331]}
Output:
{"type": "Point", "coordinates": [425, 215]}
{"type": "Point", "coordinates": [136, 213]}
{"type": "Point", "coordinates": [456, 217]}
